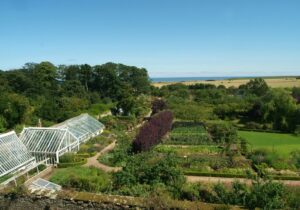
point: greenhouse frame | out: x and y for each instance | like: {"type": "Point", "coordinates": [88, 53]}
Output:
{"type": "Point", "coordinates": [48, 143]}
{"type": "Point", "coordinates": [83, 127]}
{"type": "Point", "coordinates": [14, 156]}
{"type": "Point", "coordinates": [51, 143]}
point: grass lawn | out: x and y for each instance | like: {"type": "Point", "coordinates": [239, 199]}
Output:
{"type": "Point", "coordinates": [283, 144]}
{"type": "Point", "coordinates": [81, 178]}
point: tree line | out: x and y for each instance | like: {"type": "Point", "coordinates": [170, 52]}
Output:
{"type": "Point", "coordinates": [55, 93]}
{"type": "Point", "coordinates": [254, 104]}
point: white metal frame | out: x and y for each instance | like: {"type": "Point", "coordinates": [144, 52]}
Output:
{"type": "Point", "coordinates": [13, 154]}
{"type": "Point", "coordinates": [67, 136]}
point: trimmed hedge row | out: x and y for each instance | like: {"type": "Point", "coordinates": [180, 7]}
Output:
{"type": "Point", "coordinates": [72, 164]}
{"type": "Point", "coordinates": [292, 178]}
{"type": "Point", "coordinates": [198, 173]}
{"type": "Point", "coordinates": [86, 155]}
{"type": "Point", "coordinates": [259, 130]}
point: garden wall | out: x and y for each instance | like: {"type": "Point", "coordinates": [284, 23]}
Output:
{"type": "Point", "coordinates": [22, 202]}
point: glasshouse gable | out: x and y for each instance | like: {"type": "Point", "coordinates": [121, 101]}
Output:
{"type": "Point", "coordinates": [14, 156]}
{"type": "Point", "coordinates": [83, 127]}
{"type": "Point", "coordinates": [49, 143]}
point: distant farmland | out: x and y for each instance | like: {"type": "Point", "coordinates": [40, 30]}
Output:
{"type": "Point", "coordinates": [272, 82]}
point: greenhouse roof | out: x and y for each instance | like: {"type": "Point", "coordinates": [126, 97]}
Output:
{"type": "Point", "coordinates": [13, 153]}
{"type": "Point", "coordinates": [82, 127]}
{"type": "Point", "coordinates": [47, 140]}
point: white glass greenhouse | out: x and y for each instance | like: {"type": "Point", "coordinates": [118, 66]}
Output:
{"type": "Point", "coordinates": [49, 143]}
{"type": "Point", "coordinates": [83, 127]}
{"type": "Point", "coordinates": [14, 156]}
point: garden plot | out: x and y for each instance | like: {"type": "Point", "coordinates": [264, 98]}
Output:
{"type": "Point", "coordinates": [188, 133]}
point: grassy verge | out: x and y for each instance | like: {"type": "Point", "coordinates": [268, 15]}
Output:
{"type": "Point", "coordinates": [281, 143]}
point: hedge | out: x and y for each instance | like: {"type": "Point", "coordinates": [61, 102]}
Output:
{"type": "Point", "coordinates": [65, 165]}
{"type": "Point", "coordinates": [260, 130]}
{"type": "Point", "coordinates": [292, 178]}
{"type": "Point", "coordinates": [226, 175]}
{"type": "Point", "coordinates": [86, 155]}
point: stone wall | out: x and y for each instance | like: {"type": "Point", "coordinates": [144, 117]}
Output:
{"type": "Point", "coordinates": [28, 202]}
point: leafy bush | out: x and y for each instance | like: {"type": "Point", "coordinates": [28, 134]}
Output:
{"type": "Point", "coordinates": [121, 152]}
{"type": "Point", "coordinates": [79, 162]}
{"type": "Point", "coordinates": [70, 160]}
{"type": "Point", "coordinates": [266, 195]}
{"type": "Point", "coordinates": [190, 192]}
{"type": "Point", "coordinates": [151, 132]}
{"type": "Point", "coordinates": [158, 105]}
{"type": "Point", "coordinates": [150, 168]}
{"type": "Point", "coordinates": [296, 158]}
{"type": "Point", "coordinates": [222, 132]}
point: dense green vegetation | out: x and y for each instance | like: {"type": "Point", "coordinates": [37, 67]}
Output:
{"type": "Point", "coordinates": [214, 132]}
{"type": "Point", "coordinates": [188, 133]}
{"type": "Point", "coordinates": [80, 178]}
{"type": "Point", "coordinates": [55, 93]}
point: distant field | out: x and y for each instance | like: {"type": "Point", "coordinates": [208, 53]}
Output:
{"type": "Point", "coordinates": [272, 82]}
{"type": "Point", "coordinates": [283, 144]}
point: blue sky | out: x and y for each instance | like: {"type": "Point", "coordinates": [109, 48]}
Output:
{"type": "Point", "coordinates": [168, 37]}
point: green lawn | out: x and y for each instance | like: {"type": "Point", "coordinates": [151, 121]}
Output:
{"type": "Point", "coordinates": [283, 144]}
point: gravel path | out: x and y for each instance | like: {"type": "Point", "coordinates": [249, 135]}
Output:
{"type": "Point", "coordinates": [93, 161]}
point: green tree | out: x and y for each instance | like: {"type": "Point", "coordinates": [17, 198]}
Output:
{"type": "Point", "coordinates": [279, 108]}
{"type": "Point", "coordinates": [256, 86]}
{"type": "Point", "coordinates": [3, 124]}
{"type": "Point", "coordinates": [265, 195]}
{"type": "Point", "coordinates": [14, 108]}
{"type": "Point", "coordinates": [222, 133]}
{"type": "Point", "coordinates": [44, 77]}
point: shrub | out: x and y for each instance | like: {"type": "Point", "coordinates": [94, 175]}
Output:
{"type": "Point", "coordinates": [265, 195]}
{"type": "Point", "coordinates": [190, 192]}
{"type": "Point", "coordinates": [296, 158]}
{"type": "Point", "coordinates": [158, 105]}
{"type": "Point", "coordinates": [79, 162]}
{"type": "Point", "coordinates": [68, 158]}
{"type": "Point", "coordinates": [152, 131]}
{"type": "Point", "coordinates": [150, 168]}
{"type": "Point", "coordinates": [222, 132]}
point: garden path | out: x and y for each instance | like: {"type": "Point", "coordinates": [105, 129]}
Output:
{"type": "Point", "coordinates": [93, 161]}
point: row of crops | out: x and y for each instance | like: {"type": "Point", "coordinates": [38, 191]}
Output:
{"type": "Point", "coordinates": [196, 151]}
{"type": "Point", "coordinates": [188, 133]}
